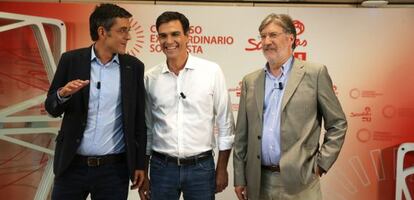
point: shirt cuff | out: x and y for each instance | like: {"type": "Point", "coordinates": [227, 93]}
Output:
{"type": "Point", "coordinates": [225, 142]}
{"type": "Point", "coordinates": [62, 99]}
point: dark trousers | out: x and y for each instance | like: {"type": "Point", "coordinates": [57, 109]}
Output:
{"type": "Point", "coordinates": [106, 182]}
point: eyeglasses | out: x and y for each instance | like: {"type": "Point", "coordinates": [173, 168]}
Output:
{"type": "Point", "coordinates": [123, 31]}
{"type": "Point", "coordinates": [271, 35]}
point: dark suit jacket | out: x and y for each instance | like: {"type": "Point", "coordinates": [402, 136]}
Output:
{"type": "Point", "coordinates": [76, 64]}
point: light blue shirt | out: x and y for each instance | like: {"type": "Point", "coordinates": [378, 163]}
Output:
{"type": "Point", "coordinates": [103, 133]}
{"type": "Point", "coordinates": [271, 115]}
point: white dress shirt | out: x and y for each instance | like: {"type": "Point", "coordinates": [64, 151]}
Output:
{"type": "Point", "coordinates": [181, 110]}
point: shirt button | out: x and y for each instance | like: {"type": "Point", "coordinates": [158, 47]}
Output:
{"type": "Point", "coordinates": [259, 137]}
{"type": "Point", "coordinates": [77, 140]}
{"type": "Point", "coordinates": [258, 156]}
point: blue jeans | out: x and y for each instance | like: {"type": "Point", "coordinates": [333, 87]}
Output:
{"type": "Point", "coordinates": [109, 182]}
{"type": "Point", "coordinates": [196, 182]}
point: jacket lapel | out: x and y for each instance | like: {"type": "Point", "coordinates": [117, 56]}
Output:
{"type": "Point", "coordinates": [295, 78]}
{"type": "Point", "coordinates": [85, 74]}
{"type": "Point", "coordinates": [259, 92]}
{"type": "Point", "coordinates": [126, 79]}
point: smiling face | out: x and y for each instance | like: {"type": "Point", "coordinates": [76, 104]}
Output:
{"type": "Point", "coordinates": [276, 43]}
{"type": "Point", "coordinates": [173, 40]}
{"type": "Point", "coordinates": [115, 40]}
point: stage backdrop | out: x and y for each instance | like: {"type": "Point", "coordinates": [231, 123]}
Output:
{"type": "Point", "coordinates": [368, 53]}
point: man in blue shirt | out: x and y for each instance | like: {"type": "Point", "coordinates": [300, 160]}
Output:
{"type": "Point", "coordinates": [100, 93]}
{"type": "Point", "coordinates": [277, 154]}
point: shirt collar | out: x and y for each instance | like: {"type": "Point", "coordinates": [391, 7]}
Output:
{"type": "Point", "coordinates": [190, 64]}
{"type": "Point", "coordinates": [285, 67]}
{"type": "Point", "coordinates": [94, 57]}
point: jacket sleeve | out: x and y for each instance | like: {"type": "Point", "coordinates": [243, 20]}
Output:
{"type": "Point", "coordinates": [52, 104]}
{"type": "Point", "coordinates": [240, 140]}
{"type": "Point", "coordinates": [335, 122]}
{"type": "Point", "coordinates": [140, 127]}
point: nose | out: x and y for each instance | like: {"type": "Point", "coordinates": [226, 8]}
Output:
{"type": "Point", "coordinates": [169, 39]}
{"type": "Point", "coordinates": [266, 40]}
{"type": "Point", "coordinates": [128, 36]}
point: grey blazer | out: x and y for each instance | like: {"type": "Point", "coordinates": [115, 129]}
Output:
{"type": "Point", "coordinates": [308, 99]}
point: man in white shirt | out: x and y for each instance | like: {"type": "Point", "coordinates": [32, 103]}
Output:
{"type": "Point", "coordinates": [185, 97]}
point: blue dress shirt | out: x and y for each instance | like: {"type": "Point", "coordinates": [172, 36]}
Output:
{"type": "Point", "coordinates": [274, 89]}
{"type": "Point", "coordinates": [103, 133]}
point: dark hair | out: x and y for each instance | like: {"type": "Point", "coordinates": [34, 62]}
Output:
{"type": "Point", "coordinates": [171, 16]}
{"type": "Point", "coordinates": [104, 15]}
{"type": "Point", "coordinates": [283, 20]}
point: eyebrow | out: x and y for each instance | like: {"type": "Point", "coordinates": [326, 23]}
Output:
{"type": "Point", "coordinates": [170, 33]}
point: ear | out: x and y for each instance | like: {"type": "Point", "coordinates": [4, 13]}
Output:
{"type": "Point", "coordinates": [101, 32]}
{"type": "Point", "coordinates": [187, 38]}
{"type": "Point", "coordinates": [292, 39]}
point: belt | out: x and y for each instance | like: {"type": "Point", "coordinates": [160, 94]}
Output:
{"type": "Point", "coordinates": [272, 168]}
{"type": "Point", "coordinates": [192, 160]}
{"type": "Point", "coordinates": [96, 161]}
